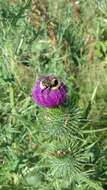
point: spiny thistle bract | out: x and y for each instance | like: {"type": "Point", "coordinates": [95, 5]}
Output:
{"type": "Point", "coordinates": [63, 152]}
{"type": "Point", "coordinates": [49, 92]}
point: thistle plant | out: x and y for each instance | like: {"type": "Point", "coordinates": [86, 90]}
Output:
{"type": "Point", "coordinates": [64, 151]}
{"type": "Point", "coordinates": [53, 131]}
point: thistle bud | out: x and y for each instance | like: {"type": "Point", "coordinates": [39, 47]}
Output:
{"type": "Point", "coordinates": [49, 92]}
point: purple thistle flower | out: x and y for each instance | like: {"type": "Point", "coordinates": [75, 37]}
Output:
{"type": "Point", "coordinates": [49, 92]}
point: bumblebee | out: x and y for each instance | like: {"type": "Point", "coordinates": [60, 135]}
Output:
{"type": "Point", "coordinates": [49, 84]}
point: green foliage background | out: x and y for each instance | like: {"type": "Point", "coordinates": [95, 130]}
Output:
{"type": "Point", "coordinates": [63, 148]}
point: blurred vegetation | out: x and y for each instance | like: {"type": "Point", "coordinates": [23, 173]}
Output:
{"type": "Point", "coordinates": [65, 148]}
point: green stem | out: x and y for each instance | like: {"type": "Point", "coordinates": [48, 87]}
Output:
{"type": "Point", "coordinates": [96, 130]}
{"type": "Point", "coordinates": [13, 110]}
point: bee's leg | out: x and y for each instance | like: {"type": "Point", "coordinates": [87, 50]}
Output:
{"type": "Point", "coordinates": [60, 90]}
{"type": "Point", "coordinates": [49, 89]}
{"type": "Point", "coordinates": [59, 87]}
{"type": "Point", "coordinates": [43, 90]}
